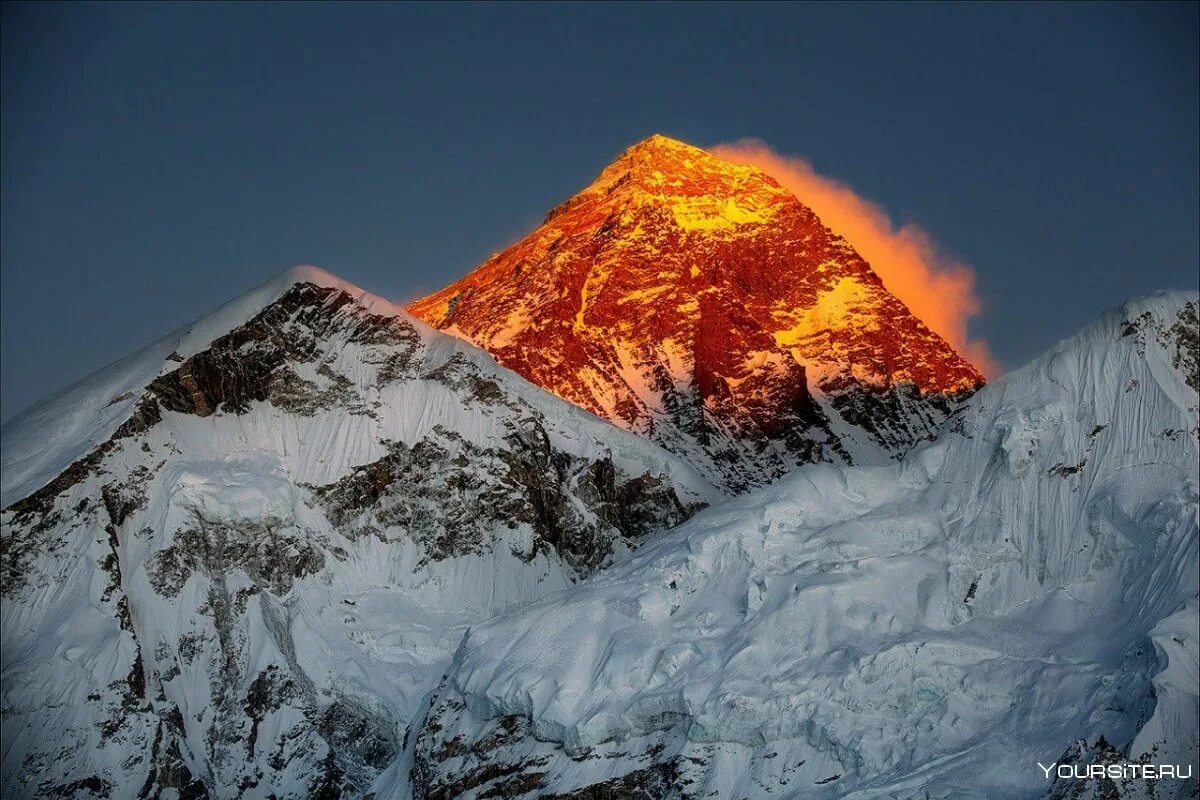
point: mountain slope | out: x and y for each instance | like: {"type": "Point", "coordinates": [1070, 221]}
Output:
{"type": "Point", "coordinates": [700, 304]}
{"type": "Point", "coordinates": [234, 563]}
{"type": "Point", "coordinates": [935, 628]}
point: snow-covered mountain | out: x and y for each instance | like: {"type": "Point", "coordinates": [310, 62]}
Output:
{"type": "Point", "coordinates": [236, 562]}
{"type": "Point", "coordinates": [1021, 590]}
{"type": "Point", "coordinates": [699, 303]}
{"type": "Point", "coordinates": [310, 547]}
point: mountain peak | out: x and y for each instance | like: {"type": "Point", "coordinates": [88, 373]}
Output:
{"type": "Point", "coordinates": [294, 446]}
{"type": "Point", "coordinates": [665, 171]}
{"type": "Point", "coordinates": [658, 141]}
{"type": "Point", "coordinates": [700, 303]}
{"type": "Point", "coordinates": [658, 146]}
{"type": "Point", "coordinates": [308, 274]}
{"type": "Point", "coordinates": [47, 437]}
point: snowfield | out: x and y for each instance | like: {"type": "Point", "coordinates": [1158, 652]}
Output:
{"type": "Point", "coordinates": [930, 629]}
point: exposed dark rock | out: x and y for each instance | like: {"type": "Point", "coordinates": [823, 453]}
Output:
{"type": "Point", "coordinates": [253, 362]}
{"type": "Point", "coordinates": [1064, 470]}
{"type": "Point", "coordinates": [270, 690]}
{"type": "Point", "coordinates": [510, 780]}
{"type": "Point", "coordinates": [92, 786]}
{"type": "Point", "coordinates": [169, 771]}
{"type": "Point", "coordinates": [496, 764]}
{"type": "Point", "coordinates": [1183, 336]}
{"type": "Point", "coordinates": [1186, 335]}
{"type": "Point", "coordinates": [357, 734]}
{"type": "Point", "coordinates": [425, 491]}
{"type": "Point", "coordinates": [41, 502]}
{"type": "Point", "coordinates": [1102, 787]}
{"type": "Point", "coordinates": [271, 553]}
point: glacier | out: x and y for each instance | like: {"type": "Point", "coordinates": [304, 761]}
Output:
{"type": "Point", "coordinates": [1016, 592]}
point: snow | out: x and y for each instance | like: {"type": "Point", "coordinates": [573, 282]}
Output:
{"type": "Point", "coordinates": [235, 491]}
{"type": "Point", "coordinates": [939, 625]}
{"type": "Point", "coordinates": [1176, 685]}
{"type": "Point", "coordinates": [835, 308]}
{"type": "Point", "coordinates": [705, 213]}
{"type": "Point", "coordinates": [42, 441]}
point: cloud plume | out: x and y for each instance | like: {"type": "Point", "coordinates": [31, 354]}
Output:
{"type": "Point", "coordinates": [938, 290]}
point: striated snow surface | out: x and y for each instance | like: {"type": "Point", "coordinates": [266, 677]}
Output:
{"type": "Point", "coordinates": [1021, 588]}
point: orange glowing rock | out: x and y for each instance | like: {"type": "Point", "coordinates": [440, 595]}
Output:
{"type": "Point", "coordinates": [699, 303]}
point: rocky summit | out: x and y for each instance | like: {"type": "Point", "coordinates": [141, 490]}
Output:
{"type": "Point", "coordinates": [702, 305]}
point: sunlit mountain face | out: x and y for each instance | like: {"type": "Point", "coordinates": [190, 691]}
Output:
{"type": "Point", "coordinates": [699, 303]}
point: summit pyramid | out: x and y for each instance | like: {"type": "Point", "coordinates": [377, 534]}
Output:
{"type": "Point", "coordinates": [701, 304]}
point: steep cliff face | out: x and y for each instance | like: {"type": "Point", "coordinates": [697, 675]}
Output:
{"type": "Point", "coordinates": [700, 304]}
{"type": "Point", "coordinates": [1020, 590]}
{"type": "Point", "coordinates": [234, 563]}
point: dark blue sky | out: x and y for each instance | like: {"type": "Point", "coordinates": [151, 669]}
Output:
{"type": "Point", "coordinates": [157, 160]}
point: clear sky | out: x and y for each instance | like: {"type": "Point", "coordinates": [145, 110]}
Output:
{"type": "Point", "coordinates": [160, 159]}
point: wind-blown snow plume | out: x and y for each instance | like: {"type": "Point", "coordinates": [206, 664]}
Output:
{"type": "Point", "coordinates": [938, 290]}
